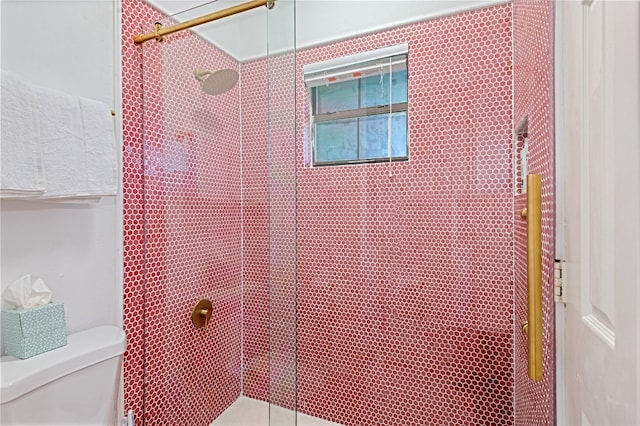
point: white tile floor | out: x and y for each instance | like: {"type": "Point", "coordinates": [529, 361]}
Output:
{"type": "Point", "coordinates": [251, 412]}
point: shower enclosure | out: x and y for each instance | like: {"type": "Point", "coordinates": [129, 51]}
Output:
{"type": "Point", "coordinates": [355, 294]}
{"type": "Point", "coordinates": [219, 218]}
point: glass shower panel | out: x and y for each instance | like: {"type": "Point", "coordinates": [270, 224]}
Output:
{"type": "Point", "coordinates": [344, 212]}
{"type": "Point", "coordinates": [282, 188]}
{"type": "Point", "coordinates": [193, 230]}
{"type": "Point", "coordinates": [220, 220]}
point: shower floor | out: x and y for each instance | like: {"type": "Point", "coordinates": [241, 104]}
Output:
{"type": "Point", "coordinates": [252, 412]}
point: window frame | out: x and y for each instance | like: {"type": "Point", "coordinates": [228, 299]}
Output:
{"type": "Point", "coordinates": [356, 113]}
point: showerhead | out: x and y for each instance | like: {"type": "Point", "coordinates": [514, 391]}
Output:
{"type": "Point", "coordinates": [214, 83]}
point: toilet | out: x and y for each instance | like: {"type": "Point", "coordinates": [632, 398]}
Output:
{"type": "Point", "coordinates": [77, 384]}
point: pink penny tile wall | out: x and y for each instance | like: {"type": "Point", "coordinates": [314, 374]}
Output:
{"type": "Point", "coordinates": [283, 201]}
{"type": "Point", "coordinates": [533, 98]}
{"type": "Point", "coordinates": [182, 196]}
{"type": "Point", "coordinates": [255, 220]}
{"type": "Point", "coordinates": [269, 224]}
{"type": "Point", "coordinates": [405, 298]}
{"type": "Point", "coordinates": [134, 13]}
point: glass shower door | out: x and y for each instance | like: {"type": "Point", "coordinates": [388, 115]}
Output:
{"type": "Point", "coordinates": [219, 196]}
{"type": "Point", "coordinates": [192, 230]}
{"type": "Point", "coordinates": [282, 189]}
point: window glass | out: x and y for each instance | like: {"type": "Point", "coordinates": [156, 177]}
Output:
{"type": "Point", "coordinates": [374, 136]}
{"type": "Point", "coordinates": [337, 97]}
{"type": "Point", "coordinates": [335, 140]}
{"type": "Point", "coordinates": [374, 90]}
{"type": "Point", "coordinates": [355, 107]}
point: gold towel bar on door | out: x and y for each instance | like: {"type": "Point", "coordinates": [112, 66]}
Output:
{"type": "Point", "coordinates": [533, 327]}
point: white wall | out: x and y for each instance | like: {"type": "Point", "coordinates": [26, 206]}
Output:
{"type": "Point", "coordinates": [76, 249]}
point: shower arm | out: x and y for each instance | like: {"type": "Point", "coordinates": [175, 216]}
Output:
{"type": "Point", "coordinates": [200, 74]}
{"type": "Point", "coordinates": [160, 32]}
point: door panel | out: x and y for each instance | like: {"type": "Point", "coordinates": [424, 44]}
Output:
{"type": "Point", "coordinates": [600, 133]}
{"type": "Point", "coordinates": [597, 305]}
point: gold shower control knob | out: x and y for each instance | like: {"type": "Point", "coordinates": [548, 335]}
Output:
{"type": "Point", "coordinates": [201, 313]}
{"type": "Point", "coordinates": [525, 327]}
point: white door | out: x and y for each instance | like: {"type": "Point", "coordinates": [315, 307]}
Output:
{"type": "Point", "coordinates": [598, 143]}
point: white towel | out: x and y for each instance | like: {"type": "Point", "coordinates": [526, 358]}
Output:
{"type": "Point", "coordinates": [100, 148]}
{"type": "Point", "coordinates": [74, 142]}
{"type": "Point", "coordinates": [22, 173]}
{"type": "Point", "coordinates": [62, 143]}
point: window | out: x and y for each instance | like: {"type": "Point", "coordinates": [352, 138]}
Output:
{"type": "Point", "coordinates": [359, 107]}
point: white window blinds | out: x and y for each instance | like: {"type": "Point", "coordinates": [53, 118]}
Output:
{"type": "Point", "coordinates": [356, 66]}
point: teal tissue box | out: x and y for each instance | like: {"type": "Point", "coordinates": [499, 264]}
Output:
{"type": "Point", "coordinates": [29, 332]}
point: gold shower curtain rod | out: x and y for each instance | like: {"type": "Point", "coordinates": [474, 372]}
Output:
{"type": "Point", "coordinates": [160, 32]}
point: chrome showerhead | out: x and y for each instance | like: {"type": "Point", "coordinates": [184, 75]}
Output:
{"type": "Point", "coordinates": [214, 83]}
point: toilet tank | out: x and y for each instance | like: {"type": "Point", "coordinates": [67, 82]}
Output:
{"type": "Point", "coordinates": [77, 384]}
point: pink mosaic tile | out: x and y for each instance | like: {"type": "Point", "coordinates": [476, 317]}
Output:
{"type": "Point", "coordinates": [184, 230]}
{"type": "Point", "coordinates": [405, 282]}
{"type": "Point", "coordinates": [404, 271]}
{"type": "Point", "coordinates": [283, 226]}
{"type": "Point", "coordinates": [255, 221]}
{"type": "Point", "coordinates": [133, 14]}
{"type": "Point", "coordinates": [533, 98]}
{"type": "Point", "coordinates": [269, 204]}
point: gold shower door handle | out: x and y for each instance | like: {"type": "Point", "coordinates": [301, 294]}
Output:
{"type": "Point", "coordinates": [533, 215]}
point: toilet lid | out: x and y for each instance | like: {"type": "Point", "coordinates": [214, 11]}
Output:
{"type": "Point", "coordinates": [83, 349]}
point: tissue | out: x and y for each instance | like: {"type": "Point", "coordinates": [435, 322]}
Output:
{"type": "Point", "coordinates": [26, 292]}
{"type": "Point", "coordinates": [31, 324]}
